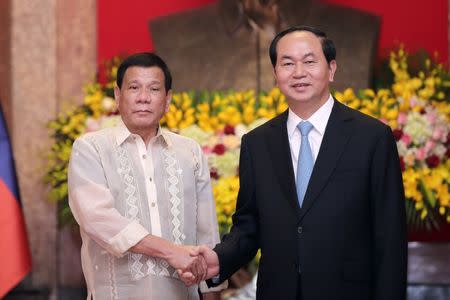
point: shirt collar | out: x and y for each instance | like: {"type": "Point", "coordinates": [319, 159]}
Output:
{"type": "Point", "coordinates": [318, 119]}
{"type": "Point", "coordinates": [122, 133]}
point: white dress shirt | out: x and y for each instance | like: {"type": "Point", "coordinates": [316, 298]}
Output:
{"type": "Point", "coordinates": [120, 190]}
{"type": "Point", "coordinates": [319, 120]}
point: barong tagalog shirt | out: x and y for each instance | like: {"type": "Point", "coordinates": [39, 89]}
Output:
{"type": "Point", "coordinates": [121, 190]}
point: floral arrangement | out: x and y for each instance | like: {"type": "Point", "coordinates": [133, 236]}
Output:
{"type": "Point", "coordinates": [415, 107]}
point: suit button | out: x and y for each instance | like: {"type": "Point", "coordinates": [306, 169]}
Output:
{"type": "Point", "coordinates": [300, 229]}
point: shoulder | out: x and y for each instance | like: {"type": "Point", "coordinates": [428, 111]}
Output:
{"type": "Point", "coordinates": [362, 123]}
{"type": "Point", "coordinates": [263, 129]}
{"type": "Point", "coordinates": [94, 139]}
{"type": "Point", "coordinates": [362, 118]}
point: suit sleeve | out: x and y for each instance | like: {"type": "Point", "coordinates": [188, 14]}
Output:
{"type": "Point", "coordinates": [240, 245]}
{"type": "Point", "coordinates": [389, 220]}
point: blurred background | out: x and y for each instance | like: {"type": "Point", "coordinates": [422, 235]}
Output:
{"type": "Point", "coordinates": [57, 66]}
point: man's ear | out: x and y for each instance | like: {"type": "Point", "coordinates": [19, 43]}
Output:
{"type": "Point", "coordinates": [117, 96]}
{"type": "Point", "coordinates": [332, 66]}
{"type": "Point", "coordinates": [168, 100]}
{"type": "Point", "coordinates": [274, 72]}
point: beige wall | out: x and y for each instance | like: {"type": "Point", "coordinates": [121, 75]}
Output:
{"type": "Point", "coordinates": [47, 53]}
{"type": "Point", "coordinates": [5, 58]}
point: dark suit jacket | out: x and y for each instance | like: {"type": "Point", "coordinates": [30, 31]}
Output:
{"type": "Point", "coordinates": [349, 238]}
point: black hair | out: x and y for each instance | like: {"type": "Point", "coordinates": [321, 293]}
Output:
{"type": "Point", "coordinates": [327, 45]}
{"type": "Point", "coordinates": [145, 59]}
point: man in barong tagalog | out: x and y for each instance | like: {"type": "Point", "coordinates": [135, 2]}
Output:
{"type": "Point", "coordinates": [140, 194]}
{"type": "Point", "coordinates": [223, 45]}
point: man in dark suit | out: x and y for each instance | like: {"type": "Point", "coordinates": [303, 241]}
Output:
{"type": "Point", "coordinates": [321, 191]}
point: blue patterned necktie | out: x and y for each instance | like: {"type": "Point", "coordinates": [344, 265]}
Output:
{"type": "Point", "coordinates": [305, 162]}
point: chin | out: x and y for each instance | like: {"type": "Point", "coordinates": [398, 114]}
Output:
{"type": "Point", "coordinates": [145, 125]}
{"type": "Point", "coordinates": [301, 100]}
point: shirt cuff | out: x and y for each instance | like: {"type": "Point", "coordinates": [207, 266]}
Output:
{"type": "Point", "coordinates": [216, 279]}
{"type": "Point", "coordinates": [127, 238]}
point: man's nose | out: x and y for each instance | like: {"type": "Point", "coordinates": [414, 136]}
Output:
{"type": "Point", "coordinates": [144, 96]}
{"type": "Point", "coordinates": [299, 70]}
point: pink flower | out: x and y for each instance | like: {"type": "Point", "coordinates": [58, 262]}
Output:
{"type": "Point", "coordinates": [421, 154]}
{"type": "Point", "coordinates": [429, 145]}
{"type": "Point", "coordinates": [438, 133]}
{"type": "Point", "coordinates": [206, 149]}
{"type": "Point", "coordinates": [220, 133]}
{"type": "Point", "coordinates": [401, 118]}
{"type": "Point", "coordinates": [431, 117]}
{"type": "Point", "coordinates": [406, 139]}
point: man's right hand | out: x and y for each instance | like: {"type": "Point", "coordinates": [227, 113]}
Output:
{"type": "Point", "coordinates": [193, 266]}
{"type": "Point", "coordinates": [211, 259]}
{"type": "Point", "coordinates": [178, 256]}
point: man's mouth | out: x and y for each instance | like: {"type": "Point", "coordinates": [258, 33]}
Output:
{"type": "Point", "coordinates": [300, 85]}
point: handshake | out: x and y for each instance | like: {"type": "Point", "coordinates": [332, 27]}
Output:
{"type": "Point", "coordinates": [194, 263]}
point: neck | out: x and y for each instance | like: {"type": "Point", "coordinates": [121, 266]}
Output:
{"type": "Point", "coordinates": [306, 109]}
{"type": "Point", "coordinates": [145, 134]}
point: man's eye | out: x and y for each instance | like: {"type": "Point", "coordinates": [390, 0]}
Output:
{"type": "Point", "coordinates": [133, 87]}
{"type": "Point", "coordinates": [309, 62]}
{"type": "Point", "coordinates": [154, 89]}
{"type": "Point", "coordinates": [287, 64]}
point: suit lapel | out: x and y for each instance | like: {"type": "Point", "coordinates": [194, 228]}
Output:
{"type": "Point", "coordinates": [336, 136]}
{"type": "Point", "coordinates": [280, 154]}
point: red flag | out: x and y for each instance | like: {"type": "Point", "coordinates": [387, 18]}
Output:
{"type": "Point", "coordinates": [15, 258]}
